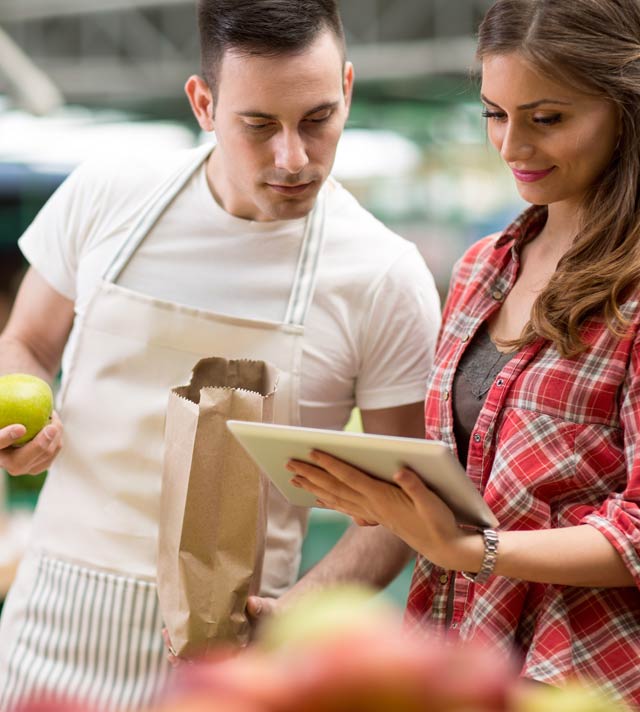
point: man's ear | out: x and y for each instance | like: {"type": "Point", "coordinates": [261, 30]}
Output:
{"type": "Point", "coordinates": [201, 101]}
{"type": "Point", "coordinates": [347, 84]}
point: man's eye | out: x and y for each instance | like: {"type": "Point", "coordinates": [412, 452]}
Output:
{"type": "Point", "coordinates": [257, 127]}
{"type": "Point", "coordinates": [318, 119]}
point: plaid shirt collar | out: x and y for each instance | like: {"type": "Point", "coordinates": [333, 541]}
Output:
{"type": "Point", "coordinates": [523, 229]}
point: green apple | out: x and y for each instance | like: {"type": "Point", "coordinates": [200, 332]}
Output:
{"type": "Point", "coordinates": [326, 613]}
{"type": "Point", "coordinates": [26, 400]}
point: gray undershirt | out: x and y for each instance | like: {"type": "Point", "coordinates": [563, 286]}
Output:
{"type": "Point", "coordinates": [478, 368]}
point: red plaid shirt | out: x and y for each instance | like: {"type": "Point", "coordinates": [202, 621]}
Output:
{"type": "Point", "coordinates": [556, 444]}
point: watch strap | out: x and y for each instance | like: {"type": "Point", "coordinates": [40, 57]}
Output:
{"type": "Point", "coordinates": [491, 540]}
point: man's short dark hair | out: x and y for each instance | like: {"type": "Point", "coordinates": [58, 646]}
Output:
{"type": "Point", "coordinates": [262, 27]}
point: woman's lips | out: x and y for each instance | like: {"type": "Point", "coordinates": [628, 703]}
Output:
{"type": "Point", "coordinates": [531, 176]}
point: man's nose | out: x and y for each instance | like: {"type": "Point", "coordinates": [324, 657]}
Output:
{"type": "Point", "coordinates": [290, 151]}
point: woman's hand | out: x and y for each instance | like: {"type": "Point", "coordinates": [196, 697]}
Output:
{"type": "Point", "coordinates": [410, 510]}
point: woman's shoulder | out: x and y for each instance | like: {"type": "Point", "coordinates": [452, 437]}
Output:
{"type": "Point", "coordinates": [482, 247]}
{"type": "Point", "coordinates": [494, 248]}
{"type": "Point", "coordinates": [477, 255]}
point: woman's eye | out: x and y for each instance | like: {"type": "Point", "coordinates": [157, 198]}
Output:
{"type": "Point", "coordinates": [548, 120]}
{"type": "Point", "coordinates": [495, 115]}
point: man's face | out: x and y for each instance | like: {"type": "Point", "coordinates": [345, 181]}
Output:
{"type": "Point", "coordinates": [277, 122]}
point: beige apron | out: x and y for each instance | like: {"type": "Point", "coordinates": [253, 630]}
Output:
{"type": "Point", "coordinates": [98, 512]}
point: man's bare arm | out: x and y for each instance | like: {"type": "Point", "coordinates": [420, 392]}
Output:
{"type": "Point", "coordinates": [32, 342]}
{"type": "Point", "coordinates": [368, 555]}
{"type": "Point", "coordinates": [37, 330]}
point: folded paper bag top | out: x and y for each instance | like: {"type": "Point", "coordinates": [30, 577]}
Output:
{"type": "Point", "coordinates": [213, 507]}
{"type": "Point", "coordinates": [242, 374]}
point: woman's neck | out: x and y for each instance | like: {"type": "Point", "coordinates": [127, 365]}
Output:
{"type": "Point", "coordinates": [560, 230]}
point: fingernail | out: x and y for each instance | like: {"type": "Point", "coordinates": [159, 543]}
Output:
{"type": "Point", "coordinates": [295, 482]}
{"type": "Point", "coordinates": [314, 455]}
{"type": "Point", "coordinates": [290, 467]}
{"type": "Point", "coordinates": [17, 431]}
{"type": "Point", "coordinates": [49, 432]}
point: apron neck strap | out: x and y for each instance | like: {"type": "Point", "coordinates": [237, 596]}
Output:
{"type": "Point", "coordinates": [162, 197]}
{"type": "Point", "coordinates": [307, 268]}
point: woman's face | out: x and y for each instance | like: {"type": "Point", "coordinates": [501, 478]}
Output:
{"type": "Point", "coordinates": [556, 140]}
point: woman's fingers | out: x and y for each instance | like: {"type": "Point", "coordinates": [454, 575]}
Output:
{"type": "Point", "coordinates": [414, 487]}
{"type": "Point", "coordinates": [424, 501]}
{"type": "Point", "coordinates": [342, 471]}
{"type": "Point", "coordinates": [320, 482]}
{"type": "Point", "coordinates": [364, 522]}
{"type": "Point", "coordinates": [330, 492]}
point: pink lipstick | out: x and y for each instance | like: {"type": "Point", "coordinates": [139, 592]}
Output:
{"type": "Point", "coordinates": [531, 176]}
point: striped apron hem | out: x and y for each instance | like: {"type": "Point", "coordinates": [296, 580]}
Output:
{"type": "Point", "coordinates": [84, 635]}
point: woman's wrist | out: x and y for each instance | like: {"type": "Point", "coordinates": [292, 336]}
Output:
{"type": "Point", "coordinates": [490, 541]}
{"type": "Point", "coordinates": [468, 552]}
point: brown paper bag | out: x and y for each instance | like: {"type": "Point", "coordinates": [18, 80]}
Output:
{"type": "Point", "coordinates": [213, 505]}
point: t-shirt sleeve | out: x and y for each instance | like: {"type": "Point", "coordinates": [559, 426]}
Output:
{"type": "Point", "coordinates": [399, 335]}
{"type": "Point", "coordinates": [53, 243]}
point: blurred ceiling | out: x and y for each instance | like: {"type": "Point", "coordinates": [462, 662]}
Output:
{"type": "Point", "coordinates": [137, 50]}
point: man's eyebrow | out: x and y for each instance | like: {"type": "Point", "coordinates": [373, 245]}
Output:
{"type": "Point", "coordinates": [532, 105]}
{"type": "Point", "coordinates": [251, 114]}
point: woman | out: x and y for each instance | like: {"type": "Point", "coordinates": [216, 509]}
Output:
{"type": "Point", "coordinates": [536, 384]}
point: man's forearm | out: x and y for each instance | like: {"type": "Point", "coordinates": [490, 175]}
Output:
{"type": "Point", "coordinates": [368, 555]}
{"type": "Point", "coordinates": [15, 357]}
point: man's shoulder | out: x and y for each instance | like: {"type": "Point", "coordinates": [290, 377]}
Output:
{"type": "Point", "coordinates": [129, 174]}
{"type": "Point", "coordinates": [354, 227]}
{"type": "Point", "coordinates": [363, 253]}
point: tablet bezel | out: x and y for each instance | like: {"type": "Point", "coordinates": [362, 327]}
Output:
{"type": "Point", "coordinates": [272, 446]}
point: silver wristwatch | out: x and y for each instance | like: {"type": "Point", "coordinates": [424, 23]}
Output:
{"type": "Point", "coordinates": [490, 537]}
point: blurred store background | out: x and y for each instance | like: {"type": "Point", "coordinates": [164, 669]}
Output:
{"type": "Point", "coordinates": [84, 77]}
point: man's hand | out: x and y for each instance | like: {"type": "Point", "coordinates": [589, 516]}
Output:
{"type": "Point", "coordinates": [35, 456]}
{"type": "Point", "coordinates": [259, 608]}
{"type": "Point", "coordinates": [173, 659]}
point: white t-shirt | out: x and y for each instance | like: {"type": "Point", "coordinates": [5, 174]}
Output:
{"type": "Point", "coordinates": [371, 329]}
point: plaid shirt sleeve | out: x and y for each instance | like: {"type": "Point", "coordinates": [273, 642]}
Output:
{"type": "Point", "coordinates": [618, 519]}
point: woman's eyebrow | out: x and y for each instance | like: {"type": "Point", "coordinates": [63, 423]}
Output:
{"type": "Point", "coordinates": [531, 105]}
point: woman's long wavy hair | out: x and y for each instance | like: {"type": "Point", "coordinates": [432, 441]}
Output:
{"type": "Point", "coordinates": [594, 46]}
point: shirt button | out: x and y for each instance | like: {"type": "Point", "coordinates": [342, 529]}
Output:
{"type": "Point", "coordinates": [444, 578]}
{"type": "Point", "coordinates": [445, 395]}
{"type": "Point", "coordinates": [465, 338]}
{"type": "Point", "coordinates": [454, 625]}
{"type": "Point", "coordinates": [500, 382]}
{"type": "Point", "coordinates": [497, 295]}
{"type": "Point", "coordinates": [477, 437]}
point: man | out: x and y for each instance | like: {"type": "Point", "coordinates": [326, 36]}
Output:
{"type": "Point", "coordinates": [140, 268]}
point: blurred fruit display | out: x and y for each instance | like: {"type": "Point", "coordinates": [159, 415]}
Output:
{"type": "Point", "coordinates": [343, 650]}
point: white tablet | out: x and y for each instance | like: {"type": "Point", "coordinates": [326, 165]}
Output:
{"type": "Point", "coordinates": [272, 446]}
